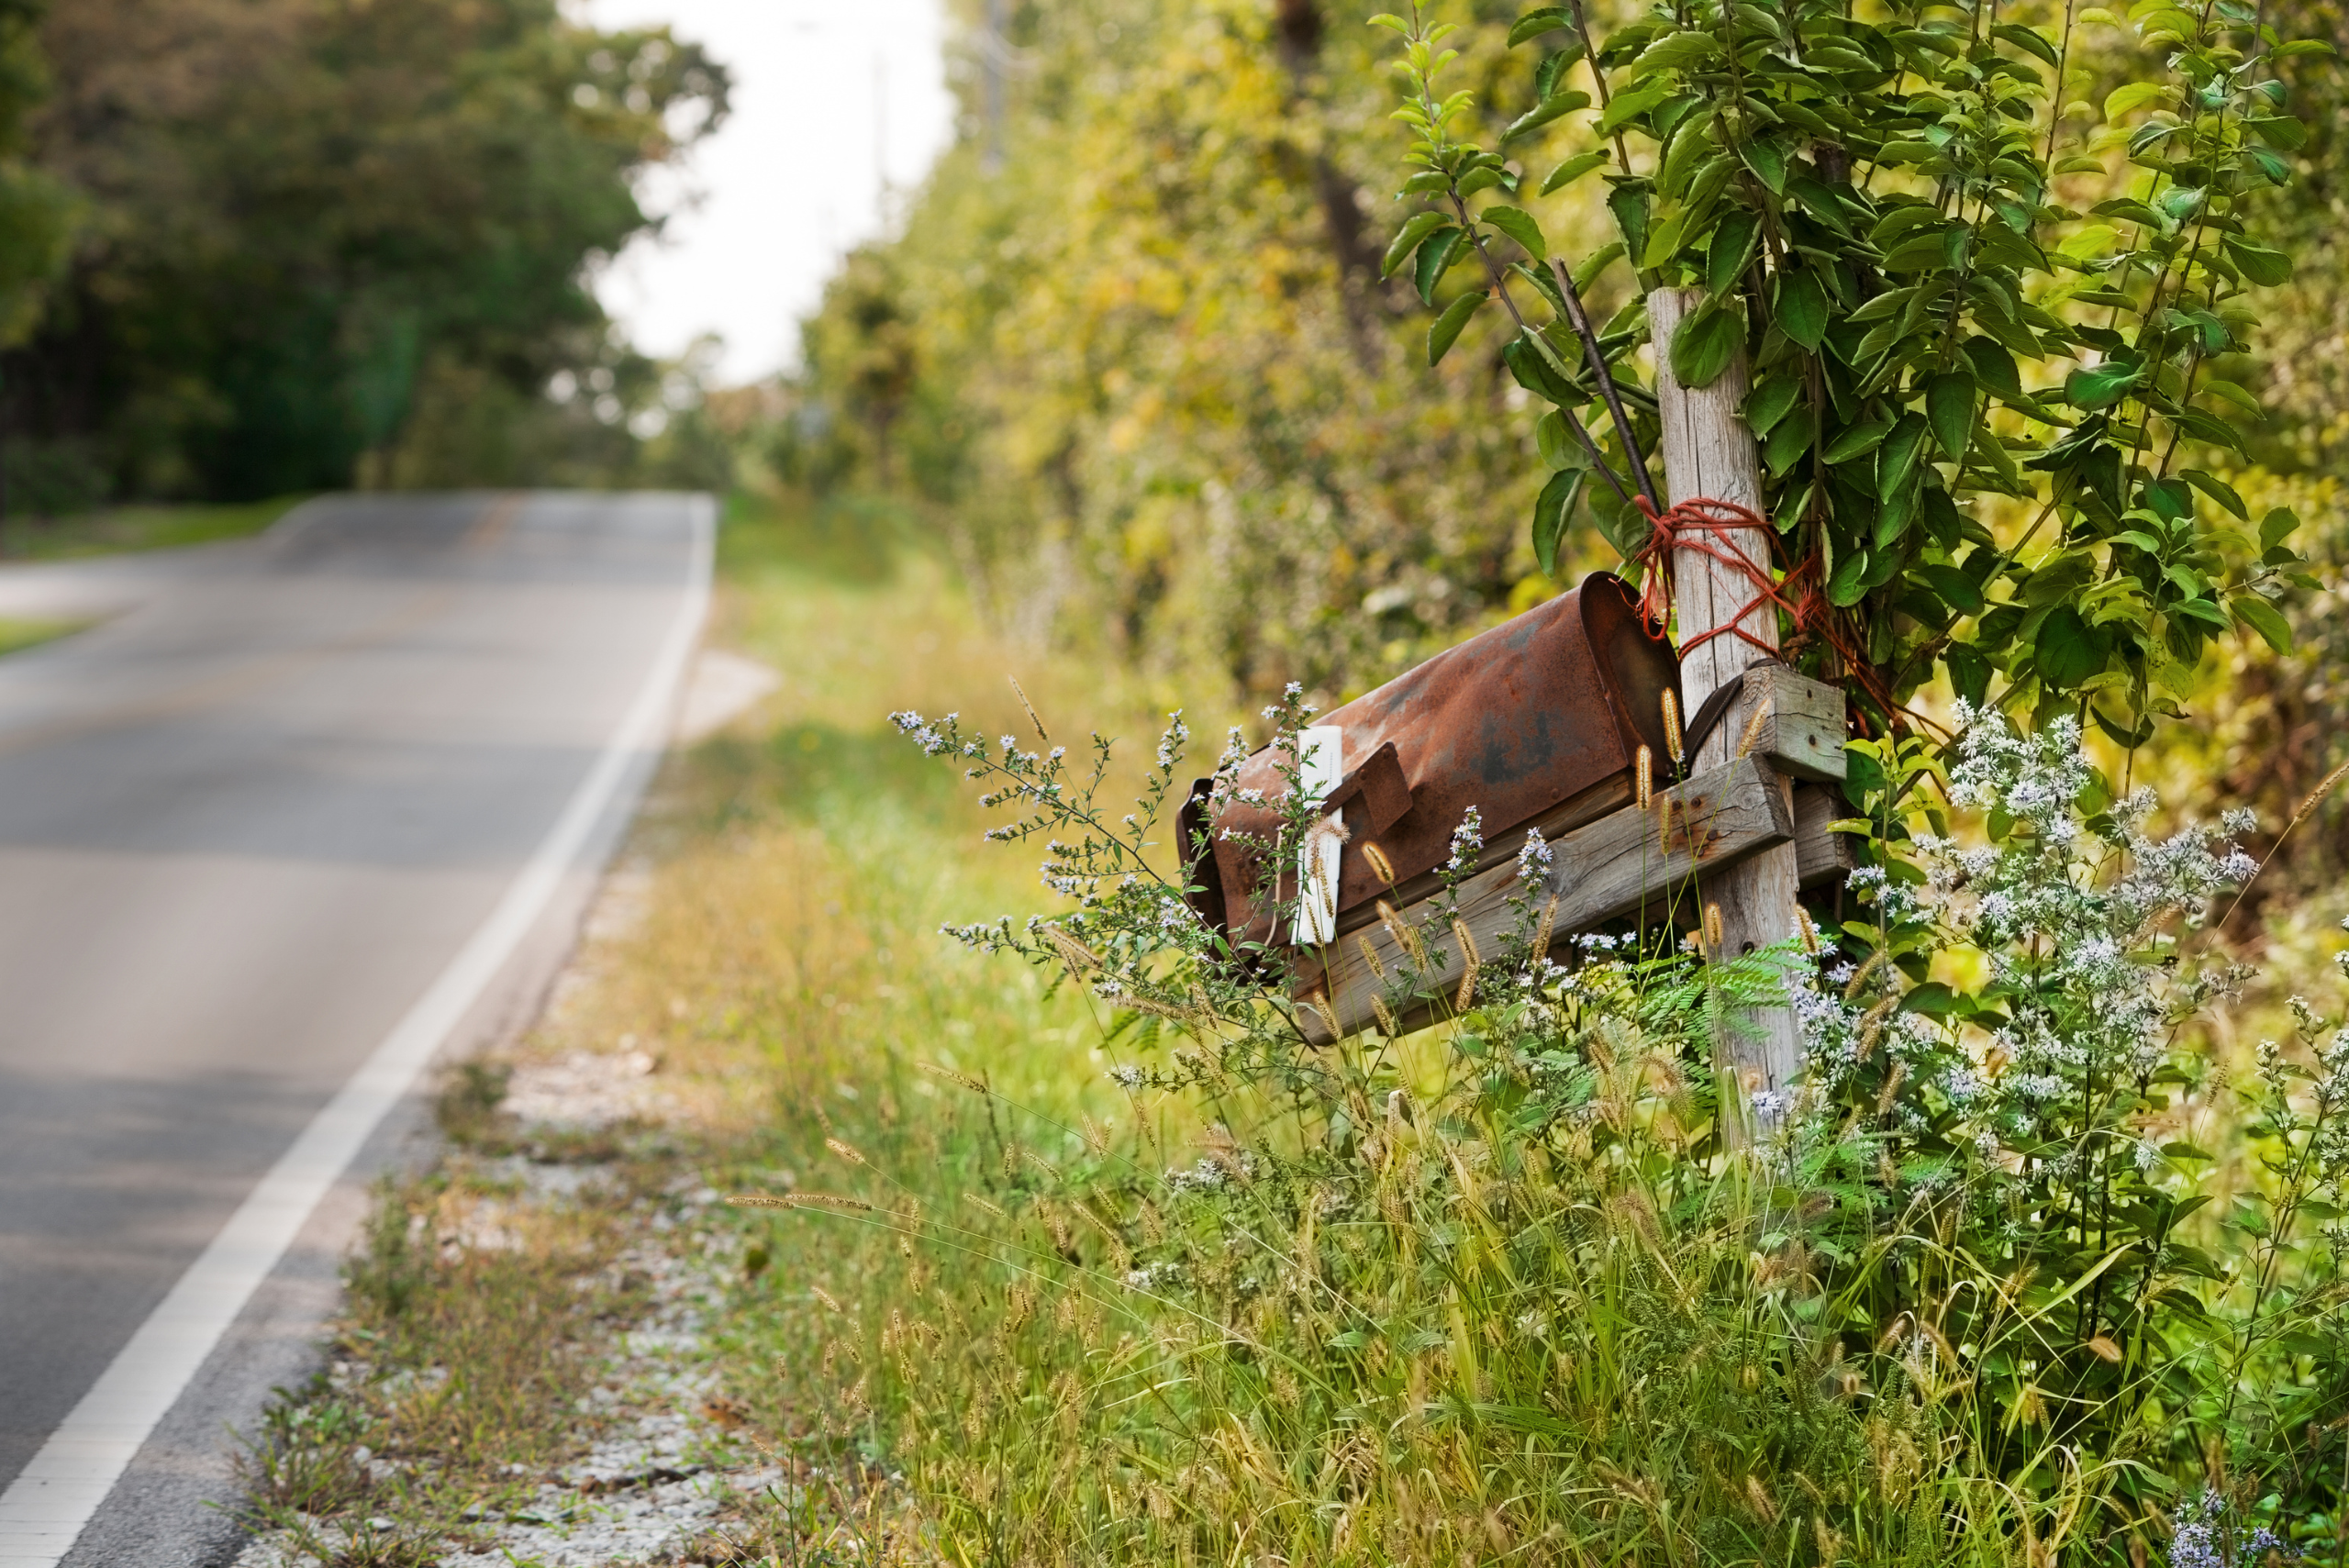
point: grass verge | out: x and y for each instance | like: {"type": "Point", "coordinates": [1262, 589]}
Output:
{"type": "Point", "coordinates": [116, 530]}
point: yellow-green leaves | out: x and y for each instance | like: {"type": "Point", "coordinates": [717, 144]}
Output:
{"type": "Point", "coordinates": [1551, 510]}
{"type": "Point", "coordinates": [1448, 326]}
{"type": "Point", "coordinates": [1519, 224]}
{"type": "Point", "coordinates": [1543, 113]}
{"type": "Point", "coordinates": [1574, 169]}
{"type": "Point", "coordinates": [1420, 225]}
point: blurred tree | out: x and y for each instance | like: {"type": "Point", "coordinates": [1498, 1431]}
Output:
{"type": "Point", "coordinates": [298, 206]}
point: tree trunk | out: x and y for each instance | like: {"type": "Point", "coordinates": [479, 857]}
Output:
{"type": "Point", "coordinates": [1707, 452]}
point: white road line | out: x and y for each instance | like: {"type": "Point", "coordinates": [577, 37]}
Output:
{"type": "Point", "coordinates": [47, 1507]}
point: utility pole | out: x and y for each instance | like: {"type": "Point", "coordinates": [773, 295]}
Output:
{"type": "Point", "coordinates": [1710, 453]}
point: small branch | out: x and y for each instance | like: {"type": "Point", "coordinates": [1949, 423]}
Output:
{"type": "Point", "coordinates": [1606, 378]}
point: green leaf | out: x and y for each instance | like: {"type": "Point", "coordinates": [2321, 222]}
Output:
{"type": "Point", "coordinates": [1597, 261]}
{"type": "Point", "coordinates": [1551, 510]}
{"type": "Point", "coordinates": [1574, 169]}
{"type": "Point", "coordinates": [1407, 240]}
{"type": "Point", "coordinates": [1545, 111]}
{"type": "Point", "coordinates": [1447, 328]}
{"type": "Point", "coordinates": [1436, 256]}
{"type": "Point", "coordinates": [1957, 590]}
{"type": "Point", "coordinates": [1767, 404]}
{"type": "Point", "coordinates": [1949, 405]}
{"type": "Point", "coordinates": [1629, 206]}
{"type": "Point", "coordinates": [2263, 266]}
{"type": "Point", "coordinates": [1994, 366]}
{"type": "Point", "coordinates": [1558, 449]}
{"type": "Point", "coordinates": [1855, 440]}
{"type": "Point", "coordinates": [1802, 307]}
{"type": "Point", "coordinates": [2277, 525]}
{"type": "Point", "coordinates": [1767, 160]}
{"type": "Point", "coordinates": [1849, 584]}
{"type": "Point", "coordinates": [1627, 106]}
{"type": "Point", "coordinates": [1519, 224]}
{"type": "Point", "coordinates": [1704, 343]}
{"type": "Point", "coordinates": [2251, 610]}
{"type": "Point", "coordinates": [2132, 95]}
{"type": "Point", "coordinates": [1732, 244]}
{"type": "Point", "coordinates": [1534, 24]}
{"type": "Point", "coordinates": [2099, 386]}
{"type": "Point", "coordinates": [2067, 651]}
{"type": "Point", "coordinates": [1897, 458]}
{"type": "Point", "coordinates": [1788, 441]}
{"type": "Point", "coordinates": [2027, 39]}
{"type": "Point", "coordinates": [1674, 51]}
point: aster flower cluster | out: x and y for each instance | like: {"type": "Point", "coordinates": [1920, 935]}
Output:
{"type": "Point", "coordinates": [2205, 1536]}
{"type": "Point", "coordinates": [2070, 908]}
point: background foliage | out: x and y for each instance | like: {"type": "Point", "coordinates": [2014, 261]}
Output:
{"type": "Point", "coordinates": [1149, 388]}
{"type": "Point", "coordinates": [298, 223]}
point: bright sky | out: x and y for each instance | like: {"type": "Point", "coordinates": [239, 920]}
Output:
{"type": "Point", "coordinates": [828, 95]}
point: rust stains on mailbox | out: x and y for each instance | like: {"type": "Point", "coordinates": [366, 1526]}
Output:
{"type": "Point", "coordinates": [1534, 723]}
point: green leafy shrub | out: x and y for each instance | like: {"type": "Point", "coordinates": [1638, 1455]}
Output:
{"type": "Point", "coordinates": [1875, 209]}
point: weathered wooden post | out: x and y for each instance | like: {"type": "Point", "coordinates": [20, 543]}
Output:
{"type": "Point", "coordinates": [1709, 453]}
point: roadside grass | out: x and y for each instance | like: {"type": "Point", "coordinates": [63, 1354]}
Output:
{"type": "Point", "coordinates": [455, 1368]}
{"type": "Point", "coordinates": [115, 530]}
{"type": "Point", "coordinates": [20, 632]}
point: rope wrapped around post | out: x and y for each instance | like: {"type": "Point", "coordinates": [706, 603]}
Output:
{"type": "Point", "coordinates": [1705, 524]}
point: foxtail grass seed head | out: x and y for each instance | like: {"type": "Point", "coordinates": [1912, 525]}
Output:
{"type": "Point", "coordinates": [1385, 1016]}
{"type": "Point", "coordinates": [1754, 727]}
{"type": "Point", "coordinates": [1327, 1014]}
{"type": "Point", "coordinates": [1671, 726]}
{"type": "Point", "coordinates": [1808, 932]}
{"type": "Point", "coordinates": [1543, 932]}
{"type": "Point", "coordinates": [1713, 931]}
{"type": "Point", "coordinates": [1380, 866]}
{"type": "Point", "coordinates": [844, 1150]}
{"type": "Point", "coordinates": [1031, 710]}
{"type": "Point", "coordinates": [1405, 937]}
{"type": "Point", "coordinates": [1466, 998]}
{"type": "Point", "coordinates": [1467, 941]}
{"type": "Point", "coordinates": [1644, 770]}
{"type": "Point", "coordinates": [1370, 955]}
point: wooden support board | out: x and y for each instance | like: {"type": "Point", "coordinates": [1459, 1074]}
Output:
{"type": "Point", "coordinates": [1617, 866]}
{"type": "Point", "coordinates": [1801, 729]}
{"type": "Point", "coordinates": [1821, 856]}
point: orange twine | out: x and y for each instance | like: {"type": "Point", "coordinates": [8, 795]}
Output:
{"type": "Point", "coordinates": [1707, 526]}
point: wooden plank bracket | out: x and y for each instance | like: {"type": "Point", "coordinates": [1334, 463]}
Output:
{"type": "Point", "coordinates": [1631, 861]}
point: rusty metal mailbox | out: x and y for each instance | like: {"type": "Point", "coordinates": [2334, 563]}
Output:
{"type": "Point", "coordinates": [1535, 723]}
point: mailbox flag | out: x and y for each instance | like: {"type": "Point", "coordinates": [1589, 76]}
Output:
{"type": "Point", "coordinates": [1321, 767]}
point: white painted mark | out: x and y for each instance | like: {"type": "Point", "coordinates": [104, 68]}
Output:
{"type": "Point", "coordinates": [47, 1507]}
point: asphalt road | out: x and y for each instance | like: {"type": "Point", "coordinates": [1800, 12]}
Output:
{"type": "Point", "coordinates": [243, 827]}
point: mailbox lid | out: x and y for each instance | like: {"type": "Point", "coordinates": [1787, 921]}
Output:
{"type": "Point", "coordinates": [1514, 721]}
